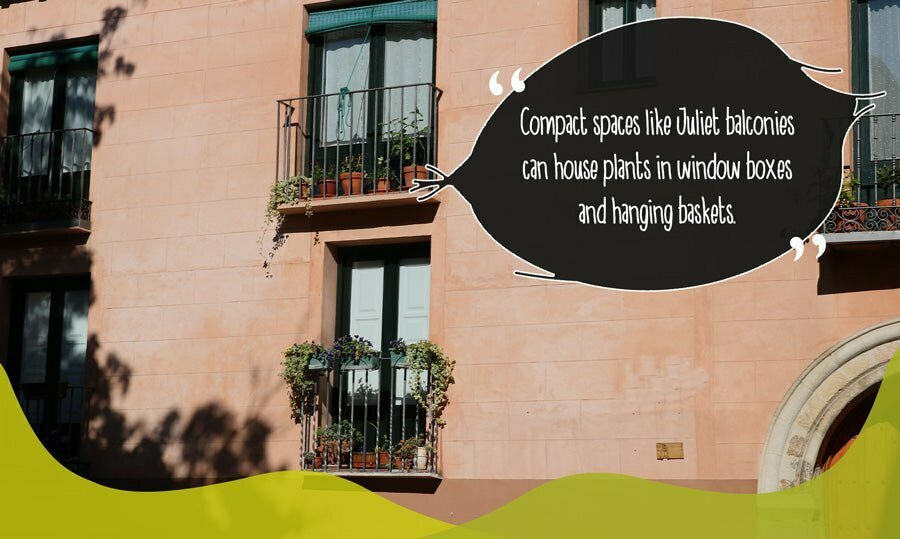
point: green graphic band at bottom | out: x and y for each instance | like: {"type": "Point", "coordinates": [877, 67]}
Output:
{"type": "Point", "coordinates": [857, 498]}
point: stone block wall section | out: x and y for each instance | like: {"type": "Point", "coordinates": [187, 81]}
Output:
{"type": "Point", "coordinates": [552, 379]}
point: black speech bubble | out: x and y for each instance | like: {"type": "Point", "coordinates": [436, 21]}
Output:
{"type": "Point", "coordinates": [663, 63]}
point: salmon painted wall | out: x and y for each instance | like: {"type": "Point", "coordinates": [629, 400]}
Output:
{"type": "Point", "coordinates": [551, 379]}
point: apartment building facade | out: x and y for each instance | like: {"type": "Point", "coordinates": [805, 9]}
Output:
{"type": "Point", "coordinates": [149, 294]}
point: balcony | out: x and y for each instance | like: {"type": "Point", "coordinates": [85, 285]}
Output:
{"type": "Point", "coordinates": [364, 420]}
{"type": "Point", "coordinates": [355, 148]}
{"type": "Point", "coordinates": [44, 182]}
{"type": "Point", "coordinates": [56, 413]}
{"type": "Point", "coordinates": [868, 209]}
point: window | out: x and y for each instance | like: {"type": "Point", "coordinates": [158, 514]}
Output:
{"type": "Point", "coordinates": [876, 67]}
{"type": "Point", "coordinates": [348, 61]}
{"type": "Point", "coordinates": [607, 14]}
{"type": "Point", "coordinates": [383, 295]}
{"type": "Point", "coordinates": [48, 348]}
{"type": "Point", "coordinates": [47, 153]}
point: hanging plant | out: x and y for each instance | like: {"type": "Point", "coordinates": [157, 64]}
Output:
{"type": "Point", "coordinates": [352, 349]}
{"type": "Point", "coordinates": [285, 191]}
{"type": "Point", "coordinates": [424, 358]}
{"type": "Point", "coordinates": [296, 374]}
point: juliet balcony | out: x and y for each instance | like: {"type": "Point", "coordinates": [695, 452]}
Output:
{"type": "Point", "coordinates": [352, 148]}
{"type": "Point", "coordinates": [868, 209]}
{"type": "Point", "coordinates": [45, 180]}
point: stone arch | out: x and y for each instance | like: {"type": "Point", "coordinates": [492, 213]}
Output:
{"type": "Point", "coordinates": [816, 399]}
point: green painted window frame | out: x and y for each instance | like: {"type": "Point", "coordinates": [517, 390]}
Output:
{"type": "Point", "coordinates": [391, 255]}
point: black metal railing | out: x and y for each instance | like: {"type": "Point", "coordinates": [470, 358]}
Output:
{"type": "Point", "coordinates": [56, 414]}
{"type": "Point", "coordinates": [869, 196]}
{"type": "Point", "coordinates": [365, 418]}
{"type": "Point", "coordinates": [356, 142]}
{"type": "Point", "coordinates": [45, 179]}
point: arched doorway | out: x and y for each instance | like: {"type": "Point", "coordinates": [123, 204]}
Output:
{"type": "Point", "coordinates": [845, 428]}
{"type": "Point", "coordinates": [826, 407]}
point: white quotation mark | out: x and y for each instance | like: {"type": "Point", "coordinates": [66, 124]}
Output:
{"type": "Point", "coordinates": [797, 245]}
{"type": "Point", "coordinates": [515, 81]}
{"type": "Point", "coordinates": [496, 87]}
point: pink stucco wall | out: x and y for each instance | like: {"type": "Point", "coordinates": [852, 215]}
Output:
{"type": "Point", "coordinates": [551, 379]}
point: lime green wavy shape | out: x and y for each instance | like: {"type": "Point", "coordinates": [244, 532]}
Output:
{"type": "Point", "coordinates": [859, 497]}
{"type": "Point", "coordinates": [40, 498]}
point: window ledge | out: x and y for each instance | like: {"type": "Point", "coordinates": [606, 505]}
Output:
{"type": "Point", "coordinates": [34, 230]}
{"type": "Point", "coordinates": [874, 236]}
{"type": "Point", "coordinates": [355, 202]}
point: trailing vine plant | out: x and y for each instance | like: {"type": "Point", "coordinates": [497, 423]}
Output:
{"type": "Point", "coordinates": [296, 374]}
{"type": "Point", "coordinates": [424, 358]}
{"type": "Point", "coordinates": [284, 191]}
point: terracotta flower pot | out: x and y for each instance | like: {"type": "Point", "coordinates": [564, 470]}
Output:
{"type": "Point", "coordinates": [384, 459]}
{"type": "Point", "coordinates": [382, 185]}
{"type": "Point", "coordinates": [888, 202]}
{"type": "Point", "coordinates": [351, 183]}
{"type": "Point", "coordinates": [327, 188]}
{"type": "Point", "coordinates": [360, 458]}
{"type": "Point", "coordinates": [317, 462]}
{"type": "Point", "coordinates": [412, 172]}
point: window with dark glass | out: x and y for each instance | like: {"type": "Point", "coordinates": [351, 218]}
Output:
{"type": "Point", "coordinates": [607, 14]}
{"type": "Point", "coordinates": [48, 348]}
{"type": "Point", "coordinates": [876, 67]}
{"type": "Point", "coordinates": [46, 155]}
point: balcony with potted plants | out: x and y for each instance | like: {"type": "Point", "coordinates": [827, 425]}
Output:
{"type": "Point", "coordinates": [354, 149]}
{"type": "Point", "coordinates": [364, 413]}
{"type": "Point", "coordinates": [868, 208]}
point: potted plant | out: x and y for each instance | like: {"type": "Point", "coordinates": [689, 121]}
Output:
{"type": "Point", "coordinates": [383, 452]}
{"type": "Point", "coordinates": [397, 349]}
{"type": "Point", "coordinates": [408, 146]}
{"type": "Point", "coordinates": [383, 177]}
{"type": "Point", "coordinates": [351, 175]}
{"type": "Point", "coordinates": [309, 460]}
{"type": "Point", "coordinates": [888, 178]}
{"type": "Point", "coordinates": [325, 183]}
{"type": "Point", "coordinates": [354, 352]}
{"type": "Point", "coordinates": [405, 453]}
{"type": "Point", "coordinates": [334, 443]}
{"type": "Point", "coordinates": [431, 377]}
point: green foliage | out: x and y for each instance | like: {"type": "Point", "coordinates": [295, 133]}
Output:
{"type": "Point", "coordinates": [849, 186]}
{"type": "Point", "coordinates": [352, 163]}
{"type": "Point", "coordinates": [424, 358]}
{"type": "Point", "coordinates": [405, 136]}
{"type": "Point", "coordinates": [327, 438]}
{"type": "Point", "coordinates": [352, 349]}
{"type": "Point", "coordinates": [295, 373]}
{"type": "Point", "coordinates": [405, 450]}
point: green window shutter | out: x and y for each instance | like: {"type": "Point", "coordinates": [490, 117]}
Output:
{"type": "Point", "coordinates": [20, 62]}
{"type": "Point", "coordinates": [402, 11]}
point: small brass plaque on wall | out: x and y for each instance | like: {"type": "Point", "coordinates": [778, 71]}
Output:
{"type": "Point", "coordinates": [669, 451]}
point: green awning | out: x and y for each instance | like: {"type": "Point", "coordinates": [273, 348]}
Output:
{"type": "Point", "coordinates": [402, 11]}
{"type": "Point", "coordinates": [18, 62]}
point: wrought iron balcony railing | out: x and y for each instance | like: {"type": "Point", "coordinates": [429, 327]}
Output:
{"type": "Point", "coordinates": [56, 413]}
{"type": "Point", "coordinates": [45, 179]}
{"type": "Point", "coordinates": [869, 200]}
{"type": "Point", "coordinates": [356, 142]}
{"type": "Point", "coordinates": [365, 418]}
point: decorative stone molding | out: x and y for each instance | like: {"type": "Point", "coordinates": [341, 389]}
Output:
{"type": "Point", "coordinates": [824, 389]}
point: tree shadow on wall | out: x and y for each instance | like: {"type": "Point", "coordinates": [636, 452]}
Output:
{"type": "Point", "coordinates": [176, 450]}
